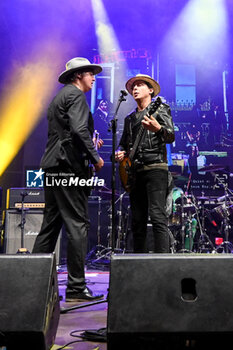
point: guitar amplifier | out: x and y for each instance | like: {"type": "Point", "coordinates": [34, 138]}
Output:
{"type": "Point", "coordinates": [34, 198]}
{"type": "Point", "coordinates": [12, 233]}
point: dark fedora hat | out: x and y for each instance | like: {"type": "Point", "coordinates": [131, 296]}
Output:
{"type": "Point", "coordinates": [76, 64]}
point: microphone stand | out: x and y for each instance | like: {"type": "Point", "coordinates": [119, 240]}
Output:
{"type": "Point", "coordinates": [226, 245]}
{"type": "Point", "coordinates": [106, 252]}
{"type": "Point", "coordinates": [22, 249]}
{"type": "Point", "coordinates": [113, 128]}
{"type": "Point", "coordinates": [75, 307]}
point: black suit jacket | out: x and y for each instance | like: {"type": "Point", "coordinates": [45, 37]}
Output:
{"type": "Point", "coordinates": [70, 130]}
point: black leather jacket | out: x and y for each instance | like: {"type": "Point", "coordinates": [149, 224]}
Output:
{"type": "Point", "coordinates": [153, 146]}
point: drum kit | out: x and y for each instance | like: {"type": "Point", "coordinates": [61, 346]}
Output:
{"type": "Point", "coordinates": [199, 224]}
{"type": "Point", "coordinates": [196, 220]}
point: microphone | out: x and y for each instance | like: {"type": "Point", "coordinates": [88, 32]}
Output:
{"type": "Point", "coordinates": [124, 92]}
{"type": "Point", "coordinates": [23, 194]}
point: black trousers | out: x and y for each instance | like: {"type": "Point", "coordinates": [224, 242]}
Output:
{"type": "Point", "coordinates": [148, 199]}
{"type": "Point", "coordinates": [68, 205]}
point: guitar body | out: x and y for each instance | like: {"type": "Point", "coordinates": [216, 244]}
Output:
{"type": "Point", "coordinates": [126, 174]}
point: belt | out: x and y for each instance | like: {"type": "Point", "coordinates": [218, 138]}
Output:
{"type": "Point", "coordinates": [162, 166]}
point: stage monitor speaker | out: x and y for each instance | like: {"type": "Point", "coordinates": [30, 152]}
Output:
{"type": "Point", "coordinates": [160, 299]}
{"type": "Point", "coordinates": [29, 301]}
{"type": "Point", "coordinates": [33, 221]}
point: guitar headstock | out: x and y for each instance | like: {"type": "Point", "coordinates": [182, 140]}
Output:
{"type": "Point", "coordinates": [154, 106]}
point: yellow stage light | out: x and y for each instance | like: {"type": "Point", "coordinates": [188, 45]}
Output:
{"type": "Point", "coordinates": [28, 90]}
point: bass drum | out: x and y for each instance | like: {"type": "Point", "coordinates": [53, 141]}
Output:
{"type": "Point", "coordinates": [175, 218]}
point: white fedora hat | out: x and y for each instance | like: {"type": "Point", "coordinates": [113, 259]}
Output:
{"type": "Point", "coordinates": [147, 79]}
{"type": "Point", "coordinates": [76, 64]}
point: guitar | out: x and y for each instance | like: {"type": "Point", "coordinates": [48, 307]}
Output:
{"type": "Point", "coordinates": [127, 167]}
{"type": "Point", "coordinates": [96, 137]}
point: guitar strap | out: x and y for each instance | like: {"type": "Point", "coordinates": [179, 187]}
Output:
{"type": "Point", "coordinates": [131, 131]}
{"type": "Point", "coordinates": [130, 134]}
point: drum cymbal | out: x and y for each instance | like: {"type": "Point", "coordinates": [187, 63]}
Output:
{"type": "Point", "coordinates": [212, 167]}
{"type": "Point", "coordinates": [203, 198]}
{"type": "Point", "coordinates": [105, 194]}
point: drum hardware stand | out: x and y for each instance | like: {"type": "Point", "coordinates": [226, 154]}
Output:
{"type": "Point", "coordinates": [183, 250]}
{"type": "Point", "coordinates": [96, 251]}
{"type": "Point", "coordinates": [117, 248]}
{"type": "Point", "coordinates": [120, 235]}
{"type": "Point", "coordinates": [99, 251]}
{"type": "Point", "coordinates": [204, 238]}
{"type": "Point", "coordinates": [126, 228]}
{"type": "Point", "coordinates": [99, 245]}
{"type": "Point", "coordinates": [172, 242]}
{"type": "Point", "coordinates": [190, 233]}
{"type": "Point", "coordinates": [106, 252]}
{"type": "Point", "coordinates": [226, 246]}
{"type": "Point", "coordinates": [190, 221]}
{"type": "Point", "coordinates": [22, 249]}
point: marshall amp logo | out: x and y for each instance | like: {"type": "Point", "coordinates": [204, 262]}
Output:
{"type": "Point", "coordinates": [35, 178]}
{"type": "Point", "coordinates": [31, 233]}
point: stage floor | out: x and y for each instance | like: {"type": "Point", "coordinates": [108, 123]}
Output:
{"type": "Point", "coordinates": [93, 317]}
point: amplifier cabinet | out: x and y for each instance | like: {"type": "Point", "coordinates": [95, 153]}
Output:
{"type": "Point", "coordinates": [12, 236]}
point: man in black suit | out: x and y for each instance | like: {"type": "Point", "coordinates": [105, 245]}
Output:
{"type": "Point", "coordinates": [68, 154]}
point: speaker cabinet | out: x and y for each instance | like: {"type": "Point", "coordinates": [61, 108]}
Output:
{"type": "Point", "coordinates": [162, 299]}
{"type": "Point", "coordinates": [33, 221]}
{"type": "Point", "coordinates": [29, 301]}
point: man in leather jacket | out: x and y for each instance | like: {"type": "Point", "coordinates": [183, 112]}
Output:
{"type": "Point", "coordinates": [69, 149]}
{"type": "Point", "coordinates": [151, 177]}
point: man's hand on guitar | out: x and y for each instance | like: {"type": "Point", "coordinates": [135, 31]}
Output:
{"type": "Point", "coordinates": [151, 124]}
{"type": "Point", "coordinates": [100, 143]}
{"type": "Point", "coordinates": [99, 165]}
{"type": "Point", "coordinates": [119, 156]}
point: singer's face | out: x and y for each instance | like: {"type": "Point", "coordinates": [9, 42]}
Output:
{"type": "Point", "coordinates": [87, 81]}
{"type": "Point", "coordinates": [141, 90]}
